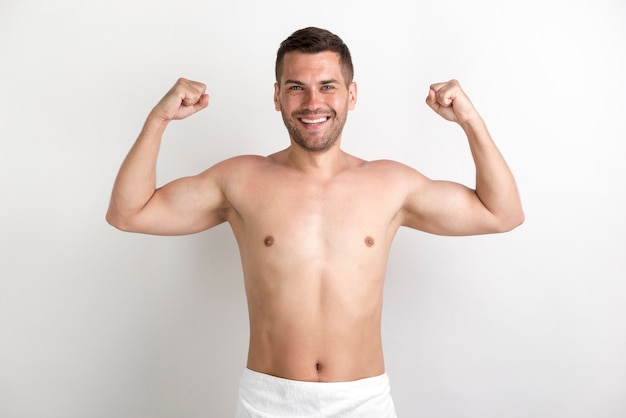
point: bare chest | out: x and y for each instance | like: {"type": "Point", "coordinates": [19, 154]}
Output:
{"type": "Point", "coordinates": [344, 216]}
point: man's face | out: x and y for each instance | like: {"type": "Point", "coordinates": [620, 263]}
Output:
{"type": "Point", "coordinates": [313, 99]}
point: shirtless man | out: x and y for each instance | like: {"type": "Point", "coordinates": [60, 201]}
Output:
{"type": "Point", "coordinates": [314, 226]}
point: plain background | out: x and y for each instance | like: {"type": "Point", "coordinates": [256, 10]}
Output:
{"type": "Point", "coordinates": [98, 323]}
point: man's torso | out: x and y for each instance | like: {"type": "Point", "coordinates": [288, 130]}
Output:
{"type": "Point", "coordinates": [314, 253]}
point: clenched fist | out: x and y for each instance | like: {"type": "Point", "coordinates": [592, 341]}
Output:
{"type": "Point", "coordinates": [185, 98]}
{"type": "Point", "coordinates": [451, 102]}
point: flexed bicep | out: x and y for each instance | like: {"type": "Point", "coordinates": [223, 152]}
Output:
{"type": "Point", "coordinates": [184, 206]}
{"type": "Point", "coordinates": [447, 208]}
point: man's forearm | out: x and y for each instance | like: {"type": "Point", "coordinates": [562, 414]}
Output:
{"type": "Point", "coordinates": [495, 184]}
{"type": "Point", "coordinates": [136, 181]}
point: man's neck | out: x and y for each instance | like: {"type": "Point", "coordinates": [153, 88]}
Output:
{"type": "Point", "coordinates": [324, 164]}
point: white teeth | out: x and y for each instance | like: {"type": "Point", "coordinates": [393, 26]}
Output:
{"type": "Point", "coordinates": [320, 120]}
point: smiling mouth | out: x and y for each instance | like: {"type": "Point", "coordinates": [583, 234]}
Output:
{"type": "Point", "coordinates": [314, 121]}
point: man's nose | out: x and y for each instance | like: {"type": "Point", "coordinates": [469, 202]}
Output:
{"type": "Point", "coordinates": [313, 100]}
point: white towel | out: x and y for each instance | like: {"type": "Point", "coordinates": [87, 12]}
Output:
{"type": "Point", "coordinates": [265, 396]}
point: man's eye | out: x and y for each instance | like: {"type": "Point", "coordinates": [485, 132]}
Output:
{"type": "Point", "coordinates": [328, 87]}
{"type": "Point", "coordinates": [295, 88]}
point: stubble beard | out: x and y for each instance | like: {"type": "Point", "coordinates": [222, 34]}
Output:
{"type": "Point", "coordinates": [314, 143]}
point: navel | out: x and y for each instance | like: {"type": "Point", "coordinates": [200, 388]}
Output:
{"type": "Point", "coordinates": [369, 241]}
{"type": "Point", "coordinates": [269, 241]}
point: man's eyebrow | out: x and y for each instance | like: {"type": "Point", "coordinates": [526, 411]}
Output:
{"type": "Point", "coordinates": [300, 83]}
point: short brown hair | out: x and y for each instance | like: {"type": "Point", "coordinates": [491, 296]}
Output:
{"type": "Point", "coordinates": [312, 40]}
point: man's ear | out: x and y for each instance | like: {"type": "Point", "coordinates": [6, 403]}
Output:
{"type": "Point", "coordinates": [352, 93]}
{"type": "Point", "coordinates": [276, 98]}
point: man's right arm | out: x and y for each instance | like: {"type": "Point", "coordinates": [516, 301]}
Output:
{"type": "Point", "coordinates": [184, 206]}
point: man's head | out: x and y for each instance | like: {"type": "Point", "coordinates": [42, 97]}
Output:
{"type": "Point", "coordinates": [312, 40]}
{"type": "Point", "coordinates": [314, 89]}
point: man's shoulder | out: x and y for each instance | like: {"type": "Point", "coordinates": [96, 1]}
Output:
{"type": "Point", "coordinates": [235, 168]}
{"type": "Point", "coordinates": [393, 175]}
{"type": "Point", "coordinates": [242, 163]}
{"type": "Point", "coordinates": [389, 167]}
{"type": "Point", "coordinates": [246, 160]}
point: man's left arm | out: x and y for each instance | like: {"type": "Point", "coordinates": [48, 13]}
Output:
{"type": "Point", "coordinates": [451, 209]}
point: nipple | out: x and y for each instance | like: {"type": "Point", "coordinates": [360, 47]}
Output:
{"type": "Point", "coordinates": [269, 241]}
{"type": "Point", "coordinates": [369, 241]}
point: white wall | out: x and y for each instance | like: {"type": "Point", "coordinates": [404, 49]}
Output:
{"type": "Point", "coordinates": [98, 323]}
